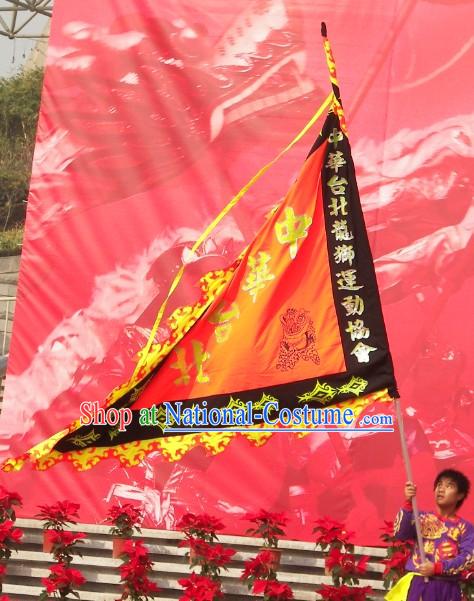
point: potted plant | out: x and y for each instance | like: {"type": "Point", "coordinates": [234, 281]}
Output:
{"type": "Point", "coordinates": [61, 582]}
{"type": "Point", "coordinates": [202, 526]}
{"type": "Point", "coordinates": [9, 535]}
{"type": "Point", "coordinates": [331, 534]}
{"type": "Point", "coordinates": [62, 579]}
{"type": "Point", "coordinates": [209, 556]}
{"type": "Point", "coordinates": [8, 502]}
{"type": "Point", "coordinates": [398, 552]}
{"type": "Point", "coordinates": [134, 572]}
{"type": "Point", "coordinates": [344, 568]}
{"type": "Point", "coordinates": [198, 527]}
{"type": "Point", "coordinates": [63, 544]}
{"type": "Point", "coordinates": [467, 584]}
{"type": "Point", "coordinates": [273, 590]}
{"type": "Point", "coordinates": [340, 562]}
{"type": "Point", "coordinates": [268, 526]}
{"type": "Point", "coordinates": [202, 588]}
{"type": "Point", "coordinates": [344, 593]}
{"type": "Point", "coordinates": [258, 568]}
{"type": "Point", "coordinates": [56, 517]}
{"type": "Point", "coordinates": [124, 520]}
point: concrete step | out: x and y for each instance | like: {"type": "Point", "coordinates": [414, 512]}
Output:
{"type": "Point", "coordinates": [10, 266]}
{"type": "Point", "coordinates": [301, 566]}
{"type": "Point", "coordinates": [8, 286]}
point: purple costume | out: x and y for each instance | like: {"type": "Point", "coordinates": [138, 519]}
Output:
{"type": "Point", "coordinates": [448, 543]}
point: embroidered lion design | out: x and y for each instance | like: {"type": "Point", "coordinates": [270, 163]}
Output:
{"type": "Point", "coordinates": [431, 527]}
{"type": "Point", "coordinates": [298, 341]}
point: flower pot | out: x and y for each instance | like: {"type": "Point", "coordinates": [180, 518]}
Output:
{"type": "Point", "coordinates": [274, 563]}
{"type": "Point", "coordinates": [47, 543]}
{"type": "Point", "coordinates": [193, 555]}
{"type": "Point", "coordinates": [118, 545]}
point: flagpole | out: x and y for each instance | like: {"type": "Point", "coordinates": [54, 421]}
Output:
{"type": "Point", "coordinates": [337, 106]}
{"type": "Point", "coordinates": [409, 473]}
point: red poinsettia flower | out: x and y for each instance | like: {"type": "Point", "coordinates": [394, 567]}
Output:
{"type": "Point", "coordinates": [329, 531]}
{"type": "Point", "coordinates": [134, 570]}
{"type": "Point", "coordinates": [344, 592]}
{"type": "Point", "coordinates": [346, 562]}
{"type": "Point", "coordinates": [258, 567]}
{"type": "Point", "coordinates": [62, 578]}
{"type": "Point", "coordinates": [387, 529]}
{"type": "Point", "coordinates": [65, 576]}
{"type": "Point", "coordinates": [273, 590]}
{"type": "Point", "coordinates": [9, 499]}
{"type": "Point", "coordinates": [361, 566]}
{"type": "Point", "coordinates": [215, 554]}
{"type": "Point", "coordinates": [333, 559]}
{"type": "Point", "coordinates": [124, 519]}
{"type": "Point", "coordinates": [135, 548]}
{"type": "Point", "coordinates": [139, 584]}
{"type": "Point", "coordinates": [9, 534]}
{"type": "Point", "coordinates": [396, 561]}
{"type": "Point", "coordinates": [4, 598]}
{"type": "Point", "coordinates": [278, 519]}
{"type": "Point", "coordinates": [64, 538]}
{"type": "Point", "coordinates": [201, 526]}
{"type": "Point", "coordinates": [269, 526]}
{"type": "Point", "coordinates": [3, 570]}
{"type": "Point", "coordinates": [467, 575]}
{"type": "Point", "coordinates": [128, 510]}
{"type": "Point", "coordinates": [128, 513]}
{"type": "Point", "coordinates": [200, 588]}
{"type": "Point", "coordinates": [49, 584]}
{"type": "Point", "coordinates": [220, 556]}
{"type": "Point", "coordinates": [144, 586]}
{"type": "Point", "coordinates": [199, 546]}
{"type": "Point", "coordinates": [59, 514]}
{"type": "Point", "coordinates": [136, 566]}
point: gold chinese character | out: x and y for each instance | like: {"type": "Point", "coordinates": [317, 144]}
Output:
{"type": "Point", "coordinates": [336, 161]}
{"type": "Point", "coordinates": [337, 184]}
{"type": "Point", "coordinates": [361, 351]}
{"type": "Point", "coordinates": [291, 229]}
{"type": "Point", "coordinates": [200, 357]}
{"type": "Point", "coordinates": [357, 330]}
{"type": "Point", "coordinates": [347, 280]}
{"type": "Point", "coordinates": [341, 230]}
{"type": "Point", "coordinates": [183, 368]}
{"type": "Point", "coordinates": [344, 254]}
{"type": "Point", "coordinates": [354, 305]}
{"type": "Point", "coordinates": [338, 205]}
{"type": "Point", "coordinates": [259, 274]}
{"type": "Point", "coordinates": [222, 317]}
{"type": "Point", "coordinates": [335, 136]}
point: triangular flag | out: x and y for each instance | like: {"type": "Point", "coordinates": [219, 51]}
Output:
{"type": "Point", "coordinates": [295, 324]}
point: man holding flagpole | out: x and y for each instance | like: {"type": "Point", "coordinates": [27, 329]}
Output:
{"type": "Point", "coordinates": [448, 542]}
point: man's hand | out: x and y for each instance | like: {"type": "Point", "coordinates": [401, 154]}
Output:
{"type": "Point", "coordinates": [410, 491]}
{"type": "Point", "coordinates": [427, 568]}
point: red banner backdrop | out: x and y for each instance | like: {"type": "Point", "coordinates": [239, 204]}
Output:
{"type": "Point", "coordinates": [151, 120]}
